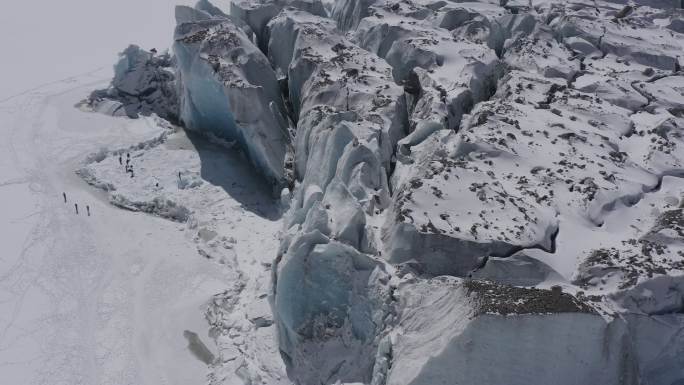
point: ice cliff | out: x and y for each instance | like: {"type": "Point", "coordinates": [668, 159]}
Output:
{"type": "Point", "coordinates": [144, 83]}
{"type": "Point", "coordinates": [228, 88]}
{"type": "Point", "coordinates": [480, 192]}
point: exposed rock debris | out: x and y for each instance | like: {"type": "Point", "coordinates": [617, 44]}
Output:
{"type": "Point", "coordinates": [144, 83]}
{"type": "Point", "coordinates": [492, 298]}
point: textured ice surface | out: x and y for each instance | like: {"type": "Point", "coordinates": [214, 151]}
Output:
{"type": "Point", "coordinates": [227, 88]}
{"type": "Point", "coordinates": [257, 13]}
{"type": "Point", "coordinates": [526, 131]}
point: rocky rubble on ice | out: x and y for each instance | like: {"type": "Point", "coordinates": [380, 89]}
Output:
{"type": "Point", "coordinates": [143, 84]}
{"type": "Point", "coordinates": [478, 192]}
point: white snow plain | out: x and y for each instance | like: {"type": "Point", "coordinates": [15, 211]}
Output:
{"type": "Point", "coordinates": [120, 297]}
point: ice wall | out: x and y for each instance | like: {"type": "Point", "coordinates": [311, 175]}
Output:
{"type": "Point", "coordinates": [460, 332]}
{"type": "Point", "coordinates": [228, 88]}
{"type": "Point", "coordinates": [349, 116]}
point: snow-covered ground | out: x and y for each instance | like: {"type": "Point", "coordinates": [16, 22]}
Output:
{"type": "Point", "coordinates": [53, 40]}
{"type": "Point", "coordinates": [119, 297]}
{"type": "Point", "coordinates": [115, 297]}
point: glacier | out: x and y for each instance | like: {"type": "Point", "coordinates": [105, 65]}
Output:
{"type": "Point", "coordinates": [228, 89]}
{"type": "Point", "coordinates": [478, 192]}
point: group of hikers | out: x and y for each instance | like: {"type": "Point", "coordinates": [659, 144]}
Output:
{"type": "Point", "coordinates": [129, 166]}
{"type": "Point", "coordinates": [76, 205]}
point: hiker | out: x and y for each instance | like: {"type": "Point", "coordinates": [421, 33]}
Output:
{"type": "Point", "coordinates": [179, 176]}
{"type": "Point", "coordinates": [88, 209]}
{"type": "Point", "coordinates": [128, 160]}
{"type": "Point", "coordinates": [76, 207]}
{"type": "Point", "coordinates": [120, 161]}
{"type": "Point", "coordinates": [64, 194]}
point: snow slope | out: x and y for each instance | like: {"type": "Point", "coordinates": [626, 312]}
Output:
{"type": "Point", "coordinates": [89, 299]}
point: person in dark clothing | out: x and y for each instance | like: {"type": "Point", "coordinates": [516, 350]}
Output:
{"type": "Point", "coordinates": [120, 161]}
{"type": "Point", "coordinates": [64, 195]}
{"type": "Point", "coordinates": [179, 176]}
{"type": "Point", "coordinates": [76, 207]}
{"type": "Point", "coordinates": [88, 209]}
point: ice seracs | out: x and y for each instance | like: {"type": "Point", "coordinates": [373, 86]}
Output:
{"type": "Point", "coordinates": [330, 290]}
{"type": "Point", "coordinates": [228, 88]}
{"type": "Point", "coordinates": [144, 83]}
{"type": "Point", "coordinates": [257, 13]}
{"type": "Point", "coordinates": [468, 182]}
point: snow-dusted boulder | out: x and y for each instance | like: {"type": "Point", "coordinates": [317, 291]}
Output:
{"type": "Point", "coordinates": [228, 88]}
{"type": "Point", "coordinates": [143, 83]}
